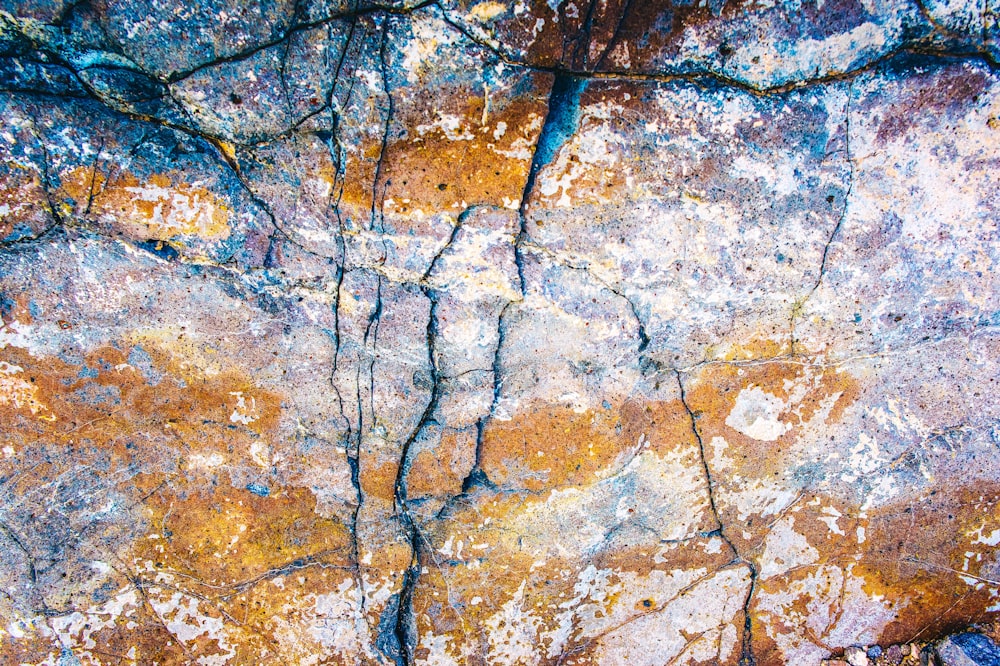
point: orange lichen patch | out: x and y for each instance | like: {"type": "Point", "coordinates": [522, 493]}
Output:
{"type": "Point", "coordinates": [310, 607]}
{"type": "Point", "coordinates": [457, 157]}
{"type": "Point", "coordinates": [162, 207]}
{"type": "Point", "coordinates": [756, 420]}
{"type": "Point", "coordinates": [226, 536]}
{"type": "Point", "coordinates": [29, 647]}
{"type": "Point", "coordinates": [549, 446]}
{"type": "Point", "coordinates": [298, 616]}
{"type": "Point", "coordinates": [106, 398]}
{"type": "Point", "coordinates": [440, 472]}
{"type": "Point", "coordinates": [911, 569]}
{"type": "Point", "coordinates": [664, 426]}
{"type": "Point", "coordinates": [378, 480]}
{"type": "Point", "coordinates": [292, 616]}
{"type": "Point", "coordinates": [18, 393]}
{"type": "Point", "coordinates": [355, 192]}
{"type": "Point", "coordinates": [480, 584]}
{"type": "Point", "coordinates": [779, 399]}
{"type": "Point", "coordinates": [481, 527]}
{"type": "Point", "coordinates": [940, 552]}
{"type": "Point", "coordinates": [125, 402]}
{"type": "Point", "coordinates": [756, 349]}
{"type": "Point", "coordinates": [103, 633]}
{"type": "Point", "coordinates": [193, 541]}
{"type": "Point", "coordinates": [599, 163]}
{"type": "Point", "coordinates": [709, 552]}
{"type": "Point", "coordinates": [450, 157]}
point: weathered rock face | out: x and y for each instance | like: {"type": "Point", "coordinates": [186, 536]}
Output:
{"type": "Point", "coordinates": [497, 333]}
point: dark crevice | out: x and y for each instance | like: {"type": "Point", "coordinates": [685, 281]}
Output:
{"type": "Point", "coordinates": [335, 150]}
{"type": "Point", "coordinates": [47, 188]}
{"type": "Point", "coordinates": [847, 194]}
{"type": "Point", "coordinates": [477, 476]}
{"type": "Point", "coordinates": [283, 66]}
{"type": "Point", "coordinates": [581, 49]}
{"type": "Point", "coordinates": [245, 54]}
{"type": "Point", "coordinates": [633, 308]}
{"type": "Point", "coordinates": [616, 35]}
{"type": "Point", "coordinates": [559, 126]}
{"type": "Point", "coordinates": [371, 334]}
{"type": "Point", "coordinates": [352, 443]}
{"type": "Point", "coordinates": [710, 482]}
{"type": "Point", "coordinates": [707, 77]}
{"type": "Point", "coordinates": [377, 213]}
{"type": "Point", "coordinates": [747, 655]}
{"type": "Point", "coordinates": [406, 631]}
{"type": "Point", "coordinates": [800, 304]}
{"type": "Point", "coordinates": [93, 178]}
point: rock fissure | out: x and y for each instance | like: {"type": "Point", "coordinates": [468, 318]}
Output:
{"type": "Point", "coordinates": [346, 333]}
{"type": "Point", "coordinates": [746, 643]}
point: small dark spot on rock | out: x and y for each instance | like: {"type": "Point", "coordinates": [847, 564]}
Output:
{"type": "Point", "coordinates": [235, 99]}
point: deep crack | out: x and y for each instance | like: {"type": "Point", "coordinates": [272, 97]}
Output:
{"type": "Point", "coordinates": [746, 655]}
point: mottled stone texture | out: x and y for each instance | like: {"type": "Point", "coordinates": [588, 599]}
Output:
{"type": "Point", "coordinates": [533, 332]}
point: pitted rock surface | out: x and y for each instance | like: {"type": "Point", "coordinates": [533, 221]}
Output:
{"type": "Point", "coordinates": [526, 332]}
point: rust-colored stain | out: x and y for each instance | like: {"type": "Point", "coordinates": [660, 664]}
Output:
{"type": "Point", "coordinates": [440, 473]}
{"type": "Point", "coordinates": [448, 156]}
{"type": "Point", "coordinates": [296, 367]}
{"type": "Point", "coordinates": [713, 394]}
{"type": "Point", "coordinates": [548, 446]}
{"type": "Point", "coordinates": [493, 586]}
{"type": "Point", "coordinates": [196, 548]}
{"type": "Point", "coordinates": [159, 207]}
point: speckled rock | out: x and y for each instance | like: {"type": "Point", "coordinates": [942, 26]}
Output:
{"type": "Point", "coordinates": [968, 649]}
{"type": "Point", "coordinates": [498, 332]}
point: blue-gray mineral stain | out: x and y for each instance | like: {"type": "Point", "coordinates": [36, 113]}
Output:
{"type": "Point", "coordinates": [258, 489]}
{"type": "Point", "coordinates": [550, 332]}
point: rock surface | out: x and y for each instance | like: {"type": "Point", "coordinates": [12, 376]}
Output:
{"type": "Point", "coordinates": [505, 333]}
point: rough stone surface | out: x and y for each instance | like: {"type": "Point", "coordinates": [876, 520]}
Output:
{"type": "Point", "coordinates": [968, 649]}
{"type": "Point", "coordinates": [531, 332]}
